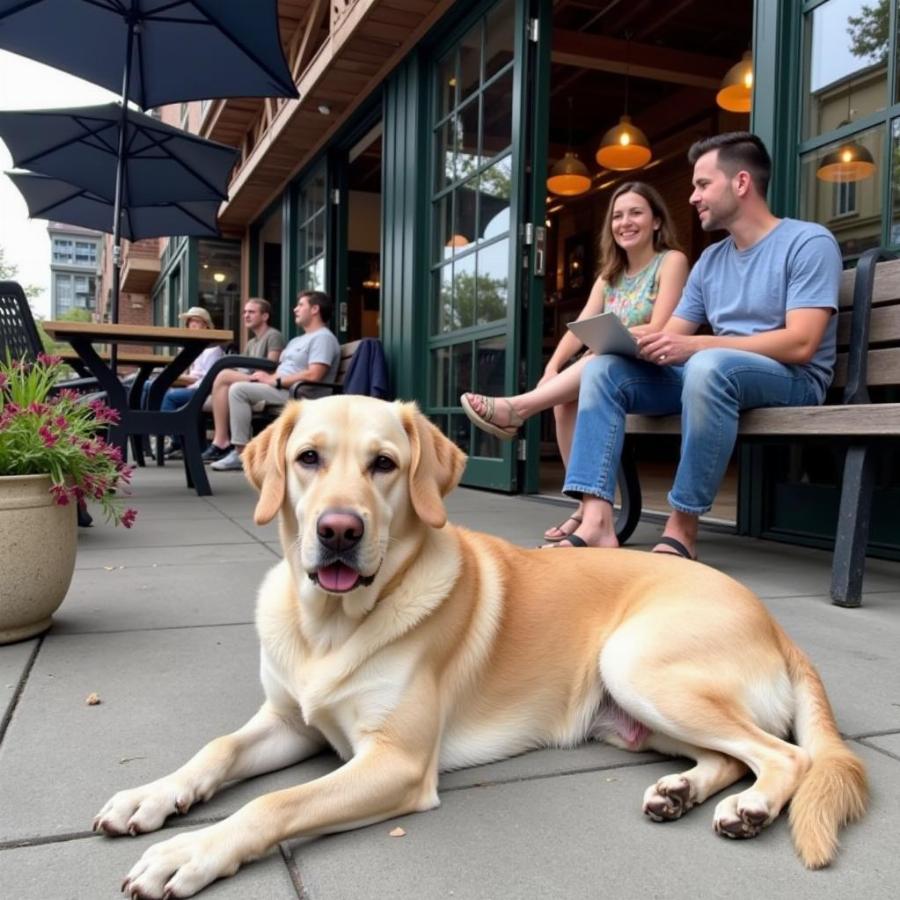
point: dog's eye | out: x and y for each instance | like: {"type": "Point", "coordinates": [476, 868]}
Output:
{"type": "Point", "coordinates": [308, 458]}
{"type": "Point", "coordinates": [383, 463]}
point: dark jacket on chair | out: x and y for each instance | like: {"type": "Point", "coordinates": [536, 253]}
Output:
{"type": "Point", "coordinates": [367, 373]}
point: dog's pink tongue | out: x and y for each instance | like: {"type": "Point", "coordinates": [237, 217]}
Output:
{"type": "Point", "coordinates": [338, 578]}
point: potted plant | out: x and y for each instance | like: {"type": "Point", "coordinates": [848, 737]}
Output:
{"type": "Point", "coordinates": [52, 457]}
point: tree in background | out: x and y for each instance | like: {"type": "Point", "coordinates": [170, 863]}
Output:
{"type": "Point", "coordinates": [870, 31]}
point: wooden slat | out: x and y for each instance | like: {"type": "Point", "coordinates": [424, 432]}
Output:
{"type": "Point", "coordinates": [829, 421]}
{"type": "Point", "coordinates": [885, 290]}
{"type": "Point", "coordinates": [884, 326]}
{"type": "Point", "coordinates": [884, 368]}
{"type": "Point", "coordinates": [124, 358]}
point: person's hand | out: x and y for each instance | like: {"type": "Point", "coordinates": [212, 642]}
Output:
{"type": "Point", "coordinates": [263, 378]}
{"type": "Point", "coordinates": [639, 330]}
{"type": "Point", "coordinates": [665, 348]}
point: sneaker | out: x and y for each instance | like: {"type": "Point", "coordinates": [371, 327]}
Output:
{"type": "Point", "coordinates": [230, 463]}
{"type": "Point", "coordinates": [213, 453]}
{"type": "Point", "coordinates": [174, 453]}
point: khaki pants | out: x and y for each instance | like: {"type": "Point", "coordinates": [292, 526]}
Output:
{"type": "Point", "coordinates": [241, 399]}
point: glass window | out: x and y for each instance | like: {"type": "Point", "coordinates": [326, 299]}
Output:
{"type": "Point", "coordinates": [311, 229]}
{"type": "Point", "coordinates": [850, 209]}
{"type": "Point", "coordinates": [219, 282]}
{"type": "Point", "coordinates": [846, 68]}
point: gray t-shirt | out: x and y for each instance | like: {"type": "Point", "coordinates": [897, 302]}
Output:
{"type": "Point", "coordinates": [313, 347]}
{"type": "Point", "coordinates": [742, 292]}
{"type": "Point", "coordinates": [271, 342]}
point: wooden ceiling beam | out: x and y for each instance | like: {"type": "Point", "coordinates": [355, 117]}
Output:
{"type": "Point", "coordinates": [605, 54]}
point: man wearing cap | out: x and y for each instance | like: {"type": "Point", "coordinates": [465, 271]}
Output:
{"type": "Point", "coordinates": [312, 357]}
{"type": "Point", "coordinates": [176, 397]}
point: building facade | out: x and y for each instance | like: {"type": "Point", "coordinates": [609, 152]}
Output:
{"type": "Point", "coordinates": [75, 257]}
{"type": "Point", "coordinates": [409, 181]}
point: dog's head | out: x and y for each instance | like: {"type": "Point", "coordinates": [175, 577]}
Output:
{"type": "Point", "coordinates": [351, 475]}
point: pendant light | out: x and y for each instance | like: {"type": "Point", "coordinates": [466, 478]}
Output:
{"type": "Point", "coordinates": [625, 146]}
{"type": "Point", "coordinates": [736, 91]}
{"type": "Point", "coordinates": [850, 162]}
{"type": "Point", "coordinates": [569, 176]}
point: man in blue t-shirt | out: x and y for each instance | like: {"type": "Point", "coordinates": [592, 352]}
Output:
{"type": "Point", "coordinates": [769, 294]}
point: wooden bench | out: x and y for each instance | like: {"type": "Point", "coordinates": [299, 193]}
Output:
{"type": "Point", "coordinates": [868, 357]}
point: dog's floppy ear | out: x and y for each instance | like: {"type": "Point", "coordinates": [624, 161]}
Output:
{"type": "Point", "coordinates": [264, 463]}
{"type": "Point", "coordinates": [435, 467]}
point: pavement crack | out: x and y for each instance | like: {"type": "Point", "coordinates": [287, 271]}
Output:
{"type": "Point", "coordinates": [20, 687]}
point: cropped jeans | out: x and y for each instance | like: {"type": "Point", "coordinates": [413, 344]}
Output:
{"type": "Point", "coordinates": [709, 391]}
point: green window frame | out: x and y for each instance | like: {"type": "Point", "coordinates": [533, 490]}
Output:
{"type": "Point", "coordinates": [312, 231]}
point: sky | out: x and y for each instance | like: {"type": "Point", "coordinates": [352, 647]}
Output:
{"type": "Point", "coordinates": [25, 84]}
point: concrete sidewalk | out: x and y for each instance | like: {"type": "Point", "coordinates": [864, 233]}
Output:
{"type": "Point", "coordinates": [158, 622]}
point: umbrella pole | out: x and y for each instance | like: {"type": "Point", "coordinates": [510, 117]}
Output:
{"type": "Point", "coordinates": [120, 177]}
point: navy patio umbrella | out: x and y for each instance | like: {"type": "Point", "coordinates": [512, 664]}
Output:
{"type": "Point", "coordinates": [51, 198]}
{"type": "Point", "coordinates": [81, 145]}
{"type": "Point", "coordinates": [155, 52]}
{"type": "Point", "coordinates": [138, 167]}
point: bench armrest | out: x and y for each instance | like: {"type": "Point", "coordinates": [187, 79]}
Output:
{"type": "Point", "coordinates": [856, 389]}
{"type": "Point", "coordinates": [295, 387]}
{"type": "Point", "coordinates": [227, 362]}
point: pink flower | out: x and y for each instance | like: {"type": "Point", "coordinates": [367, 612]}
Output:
{"type": "Point", "coordinates": [39, 409]}
{"type": "Point", "coordinates": [60, 494]}
{"type": "Point", "coordinates": [60, 422]}
{"type": "Point", "coordinates": [104, 413]}
{"type": "Point", "coordinates": [4, 380]}
{"type": "Point", "coordinates": [47, 436]}
{"type": "Point", "coordinates": [46, 359]}
{"type": "Point", "coordinates": [128, 517]}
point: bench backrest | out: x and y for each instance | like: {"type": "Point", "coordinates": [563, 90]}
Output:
{"type": "Point", "coordinates": [884, 327]}
{"type": "Point", "coordinates": [347, 351]}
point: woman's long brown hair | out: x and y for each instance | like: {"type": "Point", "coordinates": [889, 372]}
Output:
{"type": "Point", "coordinates": [613, 259]}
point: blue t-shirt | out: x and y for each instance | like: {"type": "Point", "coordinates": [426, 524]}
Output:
{"type": "Point", "coordinates": [744, 292]}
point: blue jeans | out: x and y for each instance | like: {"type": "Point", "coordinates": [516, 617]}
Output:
{"type": "Point", "coordinates": [709, 391]}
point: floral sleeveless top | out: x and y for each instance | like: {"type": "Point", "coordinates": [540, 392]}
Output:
{"type": "Point", "coordinates": [632, 297]}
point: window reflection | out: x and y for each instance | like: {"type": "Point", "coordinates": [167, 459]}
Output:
{"type": "Point", "coordinates": [850, 209]}
{"type": "Point", "coordinates": [492, 282]}
{"type": "Point", "coordinates": [846, 72]}
{"type": "Point", "coordinates": [465, 292]}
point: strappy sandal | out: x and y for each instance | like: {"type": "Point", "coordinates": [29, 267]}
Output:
{"type": "Point", "coordinates": [553, 538]}
{"type": "Point", "coordinates": [485, 422]}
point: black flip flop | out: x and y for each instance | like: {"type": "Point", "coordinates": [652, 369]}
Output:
{"type": "Point", "coordinates": [676, 545]}
{"type": "Point", "coordinates": [573, 539]}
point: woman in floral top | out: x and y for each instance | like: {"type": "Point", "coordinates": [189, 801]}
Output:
{"type": "Point", "coordinates": [642, 273]}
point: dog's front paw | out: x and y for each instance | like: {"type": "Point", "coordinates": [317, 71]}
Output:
{"type": "Point", "coordinates": [180, 866]}
{"type": "Point", "coordinates": [142, 809]}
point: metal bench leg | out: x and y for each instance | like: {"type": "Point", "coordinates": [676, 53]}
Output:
{"type": "Point", "coordinates": [630, 493]}
{"type": "Point", "coordinates": [853, 527]}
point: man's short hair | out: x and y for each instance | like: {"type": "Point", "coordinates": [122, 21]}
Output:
{"type": "Point", "coordinates": [738, 150]}
{"type": "Point", "coordinates": [264, 305]}
{"type": "Point", "coordinates": [320, 299]}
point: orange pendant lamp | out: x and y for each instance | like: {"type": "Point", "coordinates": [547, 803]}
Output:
{"type": "Point", "coordinates": [851, 161]}
{"type": "Point", "coordinates": [569, 176]}
{"type": "Point", "coordinates": [736, 91]}
{"type": "Point", "coordinates": [624, 146]}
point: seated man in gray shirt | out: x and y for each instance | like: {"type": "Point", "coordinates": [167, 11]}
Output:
{"type": "Point", "coordinates": [313, 356]}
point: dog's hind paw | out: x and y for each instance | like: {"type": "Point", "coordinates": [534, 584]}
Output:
{"type": "Point", "coordinates": [741, 816]}
{"type": "Point", "coordinates": [669, 799]}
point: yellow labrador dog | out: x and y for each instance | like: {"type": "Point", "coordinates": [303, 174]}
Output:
{"type": "Point", "coordinates": [411, 647]}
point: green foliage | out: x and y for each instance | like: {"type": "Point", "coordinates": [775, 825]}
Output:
{"type": "Point", "coordinates": [870, 31]}
{"type": "Point", "coordinates": [43, 432]}
{"type": "Point", "coordinates": [478, 300]}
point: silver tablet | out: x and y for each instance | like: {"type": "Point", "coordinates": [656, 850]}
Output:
{"type": "Point", "coordinates": [604, 333]}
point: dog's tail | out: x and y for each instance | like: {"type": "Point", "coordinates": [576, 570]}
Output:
{"type": "Point", "coordinates": [835, 789]}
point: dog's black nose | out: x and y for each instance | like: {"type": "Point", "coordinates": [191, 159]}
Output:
{"type": "Point", "coordinates": [339, 530]}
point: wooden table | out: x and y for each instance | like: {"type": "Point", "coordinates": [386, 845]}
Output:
{"type": "Point", "coordinates": [133, 420]}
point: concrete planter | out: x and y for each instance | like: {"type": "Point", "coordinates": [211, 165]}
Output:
{"type": "Point", "coordinates": [37, 555]}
